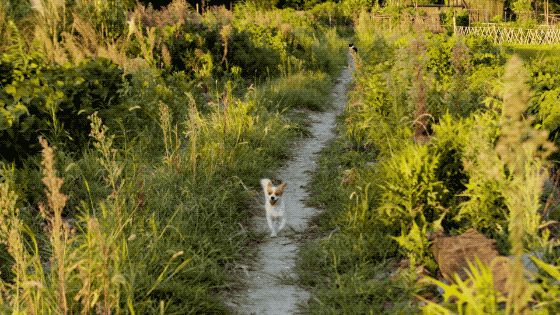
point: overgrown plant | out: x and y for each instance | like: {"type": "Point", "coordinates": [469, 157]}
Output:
{"type": "Point", "coordinates": [108, 158]}
{"type": "Point", "coordinates": [521, 150]}
{"type": "Point", "coordinates": [79, 268]}
{"type": "Point", "coordinates": [482, 166]}
{"type": "Point", "coordinates": [136, 235]}
{"type": "Point", "coordinates": [171, 139]}
{"type": "Point", "coordinates": [28, 290]}
{"type": "Point", "coordinates": [474, 295]}
{"type": "Point", "coordinates": [59, 232]}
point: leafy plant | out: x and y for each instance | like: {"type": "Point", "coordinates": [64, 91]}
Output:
{"type": "Point", "coordinates": [54, 101]}
{"type": "Point", "coordinates": [521, 149]}
{"type": "Point", "coordinates": [474, 295]}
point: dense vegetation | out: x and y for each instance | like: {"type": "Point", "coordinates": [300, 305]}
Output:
{"type": "Point", "coordinates": [132, 140]}
{"type": "Point", "coordinates": [442, 135]}
{"type": "Point", "coordinates": [148, 130]}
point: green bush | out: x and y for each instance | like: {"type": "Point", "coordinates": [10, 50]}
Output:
{"type": "Point", "coordinates": [55, 101]}
{"type": "Point", "coordinates": [195, 49]}
{"type": "Point", "coordinates": [410, 189]}
{"type": "Point", "coordinates": [462, 18]}
{"type": "Point", "coordinates": [481, 165]}
{"type": "Point", "coordinates": [255, 60]}
{"type": "Point", "coordinates": [545, 82]}
{"type": "Point", "coordinates": [327, 13]}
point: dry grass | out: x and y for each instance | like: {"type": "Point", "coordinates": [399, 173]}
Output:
{"type": "Point", "coordinates": [171, 137]}
{"type": "Point", "coordinates": [59, 232]}
{"type": "Point", "coordinates": [51, 19]}
{"type": "Point", "coordinates": [225, 34]}
{"type": "Point", "coordinates": [177, 12]}
{"type": "Point", "coordinates": [108, 158]}
{"type": "Point", "coordinates": [419, 91]}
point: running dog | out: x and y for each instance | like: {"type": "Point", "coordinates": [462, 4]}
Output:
{"type": "Point", "coordinates": [274, 205]}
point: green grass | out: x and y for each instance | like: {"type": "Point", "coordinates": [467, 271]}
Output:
{"type": "Point", "coordinates": [534, 51]}
{"type": "Point", "coordinates": [384, 193]}
{"type": "Point", "coordinates": [175, 213]}
{"type": "Point", "coordinates": [349, 269]}
{"type": "Point", "coordinates": [302, 90]}
{"type": "Point", "coordinates": [173, 207]}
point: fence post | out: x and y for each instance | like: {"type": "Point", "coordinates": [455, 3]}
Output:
{"type": "Point", "coordinates": [454, 24]}
{"type": "Point", "coordinates": [546, 13]}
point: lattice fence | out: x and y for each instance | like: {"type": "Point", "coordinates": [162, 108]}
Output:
{"type": "Point", "coordinates": [507, 35]}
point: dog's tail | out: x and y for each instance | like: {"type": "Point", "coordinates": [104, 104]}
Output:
{"type": "Point", "coordinates": [265, 182]}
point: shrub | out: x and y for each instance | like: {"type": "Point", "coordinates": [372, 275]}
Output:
{"type": "Point", "coordinates": [180, 150]}
{"type": "Point", "coordinates": [521, 150]}
{"type": "Point", "coordinates": [55, 101]}
{"type": "Point", "coordinates": [462, 18]}
{"type": "Point", "coordinates": [327, 13]}
{"type": "Point", "coordinates": [450, 136]}
{"type": "Point", "coordinates": [410, 190]}
{"type": "Point", "coordinates": [255, 60]}
{"type": "Point", "coordinates": [485, 208]}
{"type": "Point", "coordinates": [411, 196]}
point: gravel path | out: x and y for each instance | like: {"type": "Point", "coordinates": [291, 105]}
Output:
{"type": "Point", "coordinates": [265, 293]}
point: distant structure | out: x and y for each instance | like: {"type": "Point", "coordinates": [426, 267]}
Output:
{"type": "Point", "coordinates": [479, 10]}
{"type": "Point", "coordinates": [485, 10]}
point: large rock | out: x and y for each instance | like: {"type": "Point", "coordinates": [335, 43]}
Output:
{"type": "Point", "coordinates": [453, 253]}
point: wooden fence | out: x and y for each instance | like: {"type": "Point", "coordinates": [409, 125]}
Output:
{"type": "Point", "coordinates": [508, 35]}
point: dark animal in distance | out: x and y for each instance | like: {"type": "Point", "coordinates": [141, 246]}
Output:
{"type": "Point", "coordinates": [351, 46]}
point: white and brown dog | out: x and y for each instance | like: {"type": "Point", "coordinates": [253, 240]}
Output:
{"type": "Point", "coordinates": [274, 205]}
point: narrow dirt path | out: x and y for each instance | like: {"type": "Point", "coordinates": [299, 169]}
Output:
{"type": "Point", "coordinates": [266, 294]}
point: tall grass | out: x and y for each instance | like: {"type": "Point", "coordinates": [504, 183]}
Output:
{"type": "Point", "coordinates": [176, 147]}
{"type": "Point", "coordinates": [523, 150]}
{"type": "Point", "coordinates": [84, 259]}
{"type": "Point", "coordinates": [104, 262]}
{"type": "Point", "coordinates": [59, 233]}
{"type": "Point", "coordinates": [482, 164]}
{"type": "Point", "coordinates": [527, 176]}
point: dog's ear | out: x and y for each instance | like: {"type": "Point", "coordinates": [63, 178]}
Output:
{"type": "Point", "coordinates": [281, 188]}
{"type": "Point", "coordinates": [269, 187]}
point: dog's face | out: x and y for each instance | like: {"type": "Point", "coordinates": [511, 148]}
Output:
{"type": "Point", "coordinates": [274, 193]}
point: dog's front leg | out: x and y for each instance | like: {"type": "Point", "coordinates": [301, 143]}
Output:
{"type": "Point", "coordinates": [270, 225]}
{"type": "Point", "coordinates": [282, 224]}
